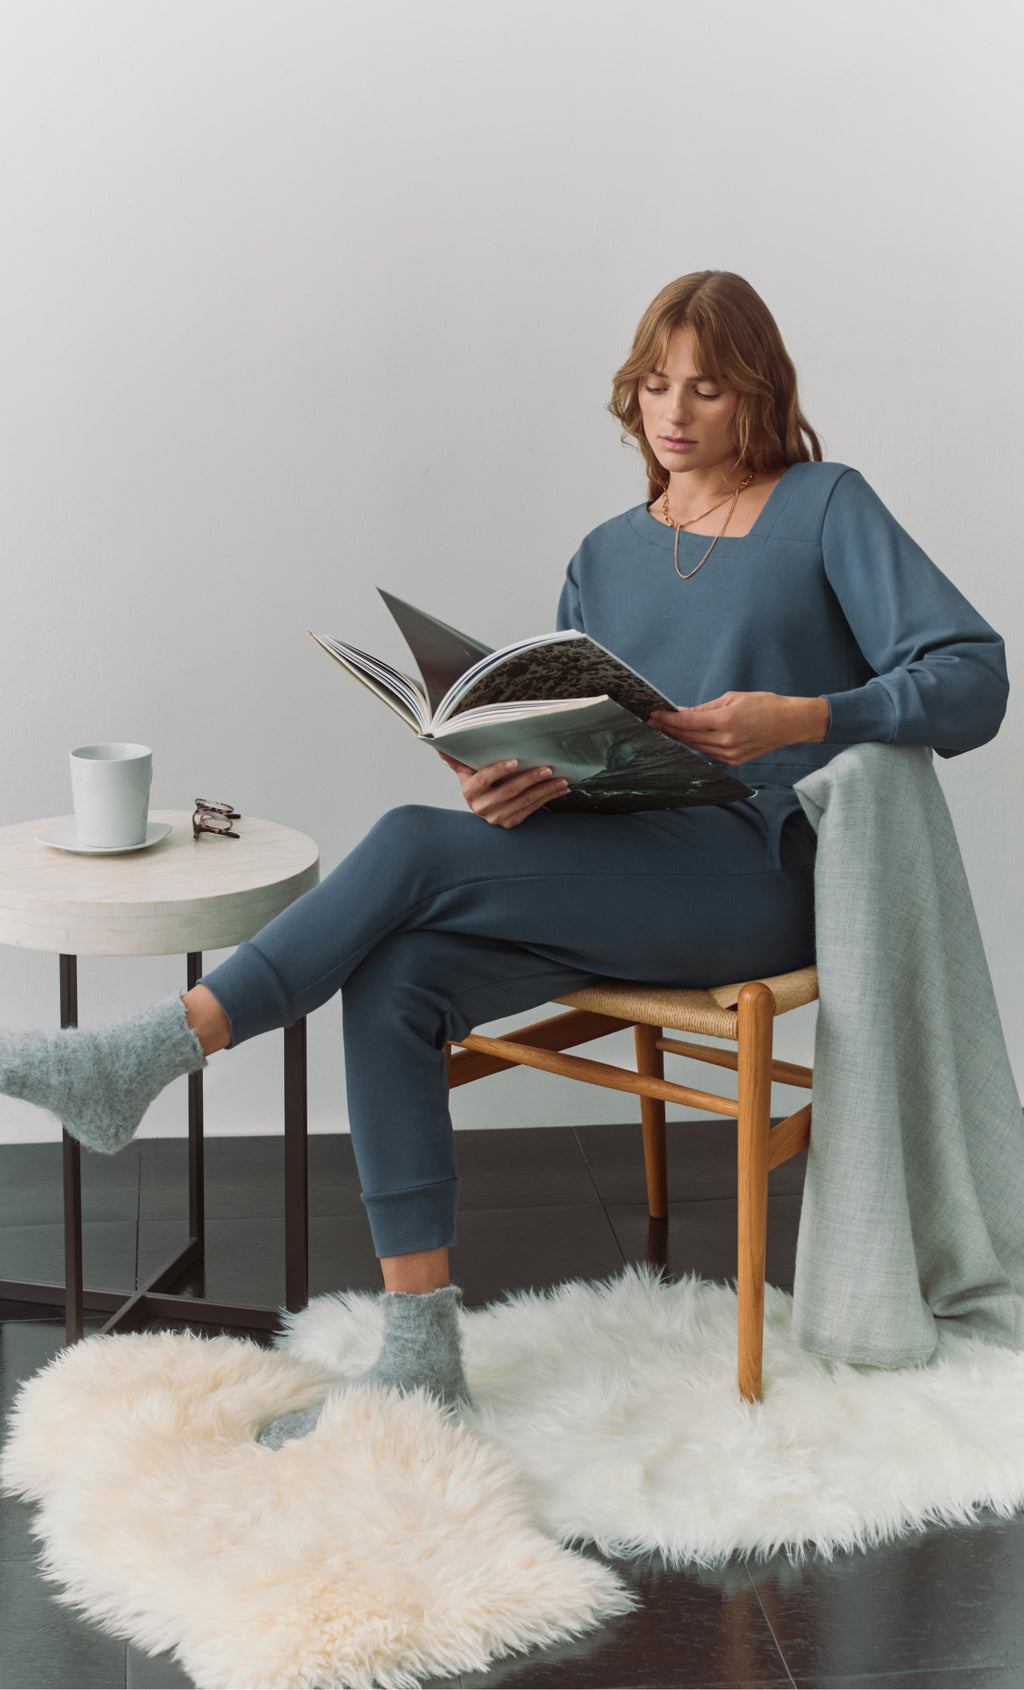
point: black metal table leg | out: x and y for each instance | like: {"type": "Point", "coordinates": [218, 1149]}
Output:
{"type": "Point", "coordinates": [74, 1315]}
{"type": "Point", "coordinates": [296, 1169]}
{"type": "Point", "coordinates": [153, 1299]}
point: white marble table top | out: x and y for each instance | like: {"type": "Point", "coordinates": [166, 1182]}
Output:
{"type": "Point", "coordinates": [180, 895]}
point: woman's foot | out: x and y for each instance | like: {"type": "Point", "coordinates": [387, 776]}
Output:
{"type": "Point", "coordinates": [422, 1347]}
{"type": "Point", "coordinates": [99, 1081]}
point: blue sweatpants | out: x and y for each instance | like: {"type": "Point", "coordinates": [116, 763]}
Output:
{"type": "Point", "coordinates": [438, 921]}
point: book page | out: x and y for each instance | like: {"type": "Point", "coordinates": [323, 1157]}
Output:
{"type": "Point", "coordinates": [565, 665]}
{"type": "Point", "coordinates": [442, 654]}
{"type": "Point", "coordinates": [398, 691]}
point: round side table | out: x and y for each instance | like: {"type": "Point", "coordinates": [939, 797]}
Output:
{"type": "Point", "coordinates": [180, 895]}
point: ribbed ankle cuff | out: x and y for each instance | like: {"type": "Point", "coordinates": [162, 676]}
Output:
{"type": "Point", "coordinates": [422, 1217]}
{"type": "Point", "coordinates": [251, 994]}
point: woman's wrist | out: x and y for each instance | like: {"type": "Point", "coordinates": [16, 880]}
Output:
{"type": "Point", "coordinates": [811, 718]}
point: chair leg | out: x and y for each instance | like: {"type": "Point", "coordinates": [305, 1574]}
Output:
{"type": "Point", "coordinates": [756, 1015]}
{"type": "Point", "coordinates": [649, 1060]}
{"type": "Point", "coordinates": [296, 1169]}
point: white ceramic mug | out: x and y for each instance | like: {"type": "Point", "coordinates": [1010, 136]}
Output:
{"type": "Point", "coordinates": [110, 789]}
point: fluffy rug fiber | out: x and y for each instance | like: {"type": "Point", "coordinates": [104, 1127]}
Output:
{"type": "Point", "coordinates": [398, 1543]}
{"type": "Point", "coordinates": [391, 1545]}
{"type": "Point", "coordinates": [618, 1401]}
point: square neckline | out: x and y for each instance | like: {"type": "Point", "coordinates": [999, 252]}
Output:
{"type": "Point", "coordinates": [734, 539]}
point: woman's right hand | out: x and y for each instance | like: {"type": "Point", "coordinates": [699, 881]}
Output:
{"type": "Point", "coordinates": [502, 794]}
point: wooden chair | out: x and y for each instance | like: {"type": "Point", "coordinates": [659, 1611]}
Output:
{"type": "Point", "coordinates": [743, 1013]}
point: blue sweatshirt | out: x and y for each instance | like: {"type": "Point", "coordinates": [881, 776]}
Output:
{"type": "Point", "coordinates": [827, 596]}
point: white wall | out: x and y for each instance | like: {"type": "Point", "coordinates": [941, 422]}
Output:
{"type": "Point", "coordinates": [298, 296]}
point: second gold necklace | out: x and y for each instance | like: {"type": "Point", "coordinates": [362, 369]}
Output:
{"type": "Point", "coordinates": [729, 499]}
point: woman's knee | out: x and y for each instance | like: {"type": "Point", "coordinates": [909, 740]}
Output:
{"type": "Point", "coordinates": [428, 848]}
{"type": "Point", "coordinates": [412, 829]}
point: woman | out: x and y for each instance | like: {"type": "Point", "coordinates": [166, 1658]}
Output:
{"type": "Point", "coordinates": [773, 591]}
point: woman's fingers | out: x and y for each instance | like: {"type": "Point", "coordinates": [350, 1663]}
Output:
{"type": "Point", "coordinates": [534, 799]}
{"type": "Point", "coordinates": [741, 726]}
{"type": "Point", "coordinates": [501, 774]}
{"type": "Point", "coordinates": [453, 763]}
{"type": "Point", "coordinates": [505, 795]}
{"type": "Point", "coordinates": [692, 724]}
{"type": "Point", "coordinates": [502, 793]}
{"type": "Point", "coordinates": [507, 805]}
{"type": "Point", "coordinates": [714, 730]}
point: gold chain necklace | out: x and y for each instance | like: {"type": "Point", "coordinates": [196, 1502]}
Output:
{"type": "Point", "coordinates": [730, 500]}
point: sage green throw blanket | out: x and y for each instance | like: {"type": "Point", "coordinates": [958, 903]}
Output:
{"type": "Point", "coordinates": [913, 1209]}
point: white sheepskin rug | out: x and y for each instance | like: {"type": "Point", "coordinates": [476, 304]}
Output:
{"type": "Point", "coordinates": [389, 1546]}
{"type": "Point", "coordinates": [619, 1403]}
{"type": "Point", "coordinates": [398, 1543]}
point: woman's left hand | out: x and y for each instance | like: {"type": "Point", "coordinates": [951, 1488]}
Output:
{"type": "Point", "coordinates": [740, 726]}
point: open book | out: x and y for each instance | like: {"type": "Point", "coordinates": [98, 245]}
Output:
{"type": "Point", "coordinates": [559, 700]}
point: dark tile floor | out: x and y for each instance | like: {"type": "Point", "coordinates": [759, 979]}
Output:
{"type": "Point", "coordinates": [941, 1608]}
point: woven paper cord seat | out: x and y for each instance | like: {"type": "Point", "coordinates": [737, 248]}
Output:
{"type": "Point", "coordinates": [711, 1012]}
{"type": "Point", "coordinates": [744, 1013]}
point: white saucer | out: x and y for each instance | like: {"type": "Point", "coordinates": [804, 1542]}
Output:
{"type": "Point", "coordinates": [66, 839]}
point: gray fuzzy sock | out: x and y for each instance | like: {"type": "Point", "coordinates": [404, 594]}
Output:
{"type": "Point", "coordinates": [422, 1347]}
{"type": "Point", "coordinates": [99, 1081]}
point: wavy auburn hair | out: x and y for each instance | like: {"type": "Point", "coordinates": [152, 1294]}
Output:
{"type": "Point", "coordinates": [738, 345]}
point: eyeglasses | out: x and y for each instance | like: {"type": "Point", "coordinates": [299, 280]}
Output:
{"type": "Point", "coordinates": [214, 818]}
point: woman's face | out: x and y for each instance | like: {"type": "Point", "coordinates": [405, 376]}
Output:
{"type": "Point", "coordinates": [688, 420]}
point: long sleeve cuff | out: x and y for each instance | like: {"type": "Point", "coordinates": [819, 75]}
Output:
{"type": "Point", "coordinates": [865, 713]}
